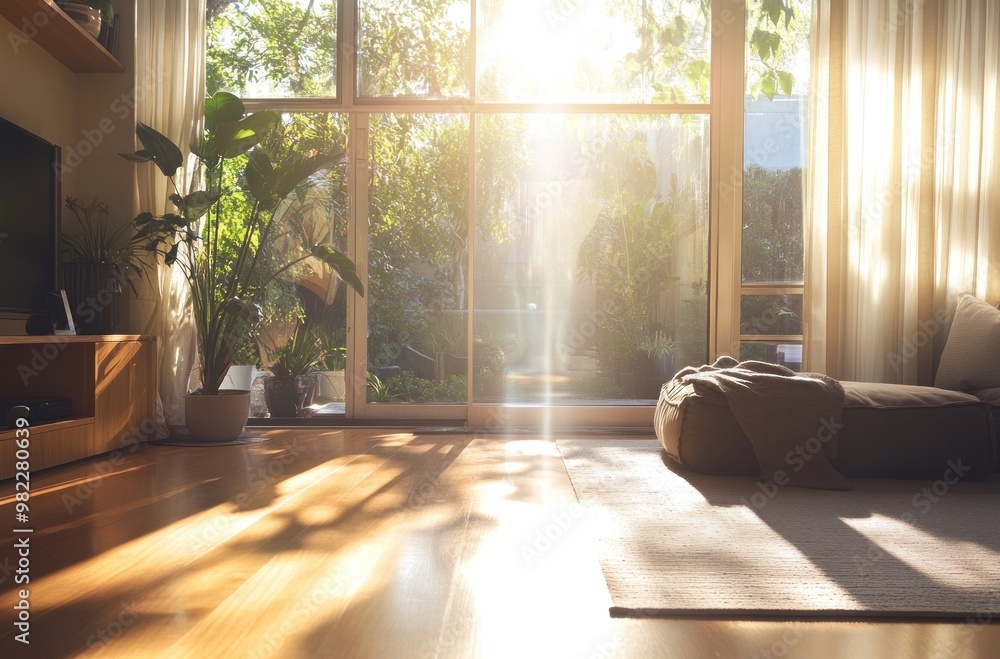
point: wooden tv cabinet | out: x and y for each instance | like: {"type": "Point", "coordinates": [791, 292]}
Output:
{"type": "Point", "coordinates": [110, 381]}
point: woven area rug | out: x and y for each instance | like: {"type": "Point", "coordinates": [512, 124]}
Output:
{"type": "Point", "coordinates": [674, 543]}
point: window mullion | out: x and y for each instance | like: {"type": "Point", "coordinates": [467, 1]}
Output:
{"type": "Point", "coordinates": [357, 249]}
{"type": "Point", "coordinates": [728, 54]}
{"type": "Point", "coordinates": [347, 67]}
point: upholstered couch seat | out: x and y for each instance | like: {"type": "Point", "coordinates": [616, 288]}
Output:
{"type": "Point", "coordinates": [889, 431]}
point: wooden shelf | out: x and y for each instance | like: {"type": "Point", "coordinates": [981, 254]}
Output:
{"type": "Point", "coordinates": [40, 429]}
{"type": "Point", "coordinates": [59, 34]}
{"type": "Point", "coordinates": [109, 380]}
{"type": "Point", "coordinates": [79, 338]}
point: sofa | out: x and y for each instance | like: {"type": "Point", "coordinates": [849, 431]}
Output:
{"type": "Point", "coordinates": [889, 430]}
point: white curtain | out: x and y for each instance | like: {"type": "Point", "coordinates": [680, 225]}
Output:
{"type": "Point", "coordinates": [170, 93]}
{"type": "Point", "coordinates": [902, 181]}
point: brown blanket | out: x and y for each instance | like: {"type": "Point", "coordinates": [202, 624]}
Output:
{"type": "Point", "coordinates": [791, 419]}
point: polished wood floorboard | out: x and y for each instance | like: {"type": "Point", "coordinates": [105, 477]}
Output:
{"type": "Point", "coordinates": [360, 543]}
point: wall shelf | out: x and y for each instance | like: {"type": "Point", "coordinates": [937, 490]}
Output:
{"type": "Point", "coordinates": [58, 34]}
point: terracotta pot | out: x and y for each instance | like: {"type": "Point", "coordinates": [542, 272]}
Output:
{"type": "Point", "coordinates": [218, 418]}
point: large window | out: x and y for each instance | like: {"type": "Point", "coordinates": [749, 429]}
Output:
{"type": "Point", "coordinates": [528, 186]}
{"type": "Point", "coordinates": [774, 124]}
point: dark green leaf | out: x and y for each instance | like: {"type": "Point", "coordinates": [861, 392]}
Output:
{"type": "Point", "coordinates": [341, 264]}
{"type": "Point", "coordinates": [139, 156]}
{"type": "Point", "coordinates": [257, 173]}
{"type": "Point", "coordinates": [175, 220]}
{"type": "Point", "coordinates": [164, 153]}
{"type": "Point", "coordinates": [204, 149]}
{"type": "Point", "coordinates": [235, 139]}
{"type": "Point", "coordinates": [222, 107]}
{"type": "Point", "coordinates": [292, 172]}
{"type": "Point", "coordinates": [171, 256]}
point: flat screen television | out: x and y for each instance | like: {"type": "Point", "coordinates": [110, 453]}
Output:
{"type": "Point", "coordinates": [30, 212]}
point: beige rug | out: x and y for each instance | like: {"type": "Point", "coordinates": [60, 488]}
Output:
{"type": "Point", "coordinates": [673, 543]}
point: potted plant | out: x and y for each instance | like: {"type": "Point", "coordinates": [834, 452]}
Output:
{"type": "Point", "coordinates": [290, 385]}
{"type": "Point", "coordinates": [332, 383]}
{"type": "Point", "coordinates": [489, 363]}
{"type": "Point", "coordinates": [655, 356]}
{"type": "Point", "coordinates": [225, 254]}
{"type": "Point", "coordinates": [97, 260]}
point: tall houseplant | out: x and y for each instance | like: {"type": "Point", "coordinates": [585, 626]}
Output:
{"type": "Point", "coordinates": [226, 259]}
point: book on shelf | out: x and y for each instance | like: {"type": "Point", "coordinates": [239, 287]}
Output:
{"type": "Point", "coordinates": [109, 36]}
{"type": "Point", "coordinates": [104, 37]}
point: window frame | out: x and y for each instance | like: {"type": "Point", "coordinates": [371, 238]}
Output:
{"type": "Point", "coordinates": [725, 111]}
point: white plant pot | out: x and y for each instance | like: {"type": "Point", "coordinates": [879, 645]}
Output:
{"type": "Point", "coordinates": [332, 385]}
{"type": "Point", "coordinates": [219, 418]}
{"type": "Point", "coordinates": [238, 377]}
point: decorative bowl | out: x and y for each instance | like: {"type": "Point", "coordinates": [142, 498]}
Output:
{"type": "Point", "coordinates": [85, 16]}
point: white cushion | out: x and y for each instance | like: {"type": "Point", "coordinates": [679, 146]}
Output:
{"type": "Point", "coordinates": [971, 357]}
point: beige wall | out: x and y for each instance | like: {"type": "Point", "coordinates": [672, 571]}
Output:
{"type": "Point", "coordinates": [90, 115]}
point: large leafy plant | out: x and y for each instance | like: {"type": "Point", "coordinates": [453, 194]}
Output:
{"type": "Point", "coordinates": [226, 259]}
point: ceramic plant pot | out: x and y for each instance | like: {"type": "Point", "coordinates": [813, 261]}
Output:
{"type": "Point", "coordinates": [288, 397]}
{"type": "Point", "coordinates": [85, 16]}
{"type": "Point", "coordinates": [94, 291]}
{"type": "Point", "coordinates": [218, 418]}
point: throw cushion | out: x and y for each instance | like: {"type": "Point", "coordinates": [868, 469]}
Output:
{"type": "Point", "coordinates": [971, 357]}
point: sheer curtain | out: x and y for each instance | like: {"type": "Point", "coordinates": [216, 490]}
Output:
{"type": "Point", "coordinates": [170, 93]}
{"type": "Point", "coordinates": [902, 182]}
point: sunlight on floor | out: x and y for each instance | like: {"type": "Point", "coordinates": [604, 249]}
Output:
{"type": "Point", "coordinates": [949, 564]}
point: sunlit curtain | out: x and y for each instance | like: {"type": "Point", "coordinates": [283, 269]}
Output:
{"type": "Point", "coordinates": [902, 181]}
{"type": "Point", "coordinates": [170, 92]}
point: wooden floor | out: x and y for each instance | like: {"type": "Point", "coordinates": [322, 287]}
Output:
{"type": "Point", "coordinates": [359, 543]}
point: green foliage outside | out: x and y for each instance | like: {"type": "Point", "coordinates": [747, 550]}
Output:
{"type": "Point", "coordinates": [772, 217]}
{"type": "Point", "coordinates": [419, 198]}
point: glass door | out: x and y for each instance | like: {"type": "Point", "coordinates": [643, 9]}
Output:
{"type": "Point", "coordinates": [590, 265]}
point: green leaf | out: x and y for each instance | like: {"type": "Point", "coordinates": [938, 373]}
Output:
{"type": "Point", "coordinates": [171, 256]}
{"type": "Point", "coordinates": [283, 179]}
{"type": "Point", "coordinates": [204, 149]}
{"type": "Point", "coordinates": [235, 139]}
{"type": "Point", "coordinates": [767, 86]}
{"type": "Point", "coordinates": [197, 203]}
{"type": "Point", "coordinates": [220, 108]}
{"type": "Point", "coordinates": [143, 218]}
{"type": "Point", "coordinates": [786, 80]}
{"type": "Point", "coordinates": [139, 156]}
{"type": "Point", "coordinates": [257, 172]}
{"type": "Point", "coordinates": [341, 264]}
{"type": "Point", "coordinates": [161, 150]}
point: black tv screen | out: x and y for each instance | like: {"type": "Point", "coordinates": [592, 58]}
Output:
{"type": "Point", "coordinates": [29, 219]}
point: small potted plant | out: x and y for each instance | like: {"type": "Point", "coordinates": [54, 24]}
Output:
{"type": "Point", "coordinates": [332, 383]}
{"type": "Point", "coordinates": [98, 258]}
{"type": "Point", "coordinates": [290, 385]}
